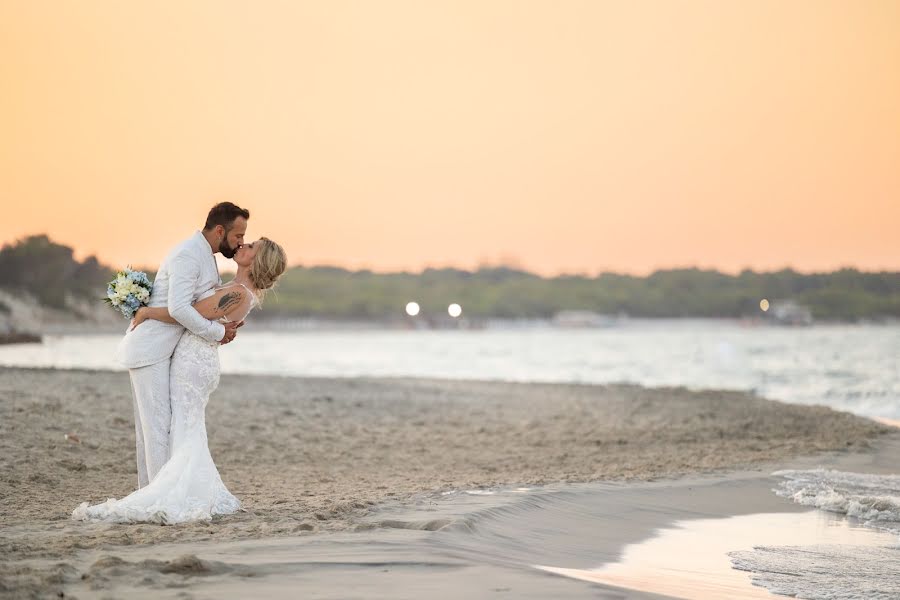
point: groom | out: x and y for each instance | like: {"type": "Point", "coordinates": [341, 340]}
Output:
{"type": "Point", "coordinates": [184, 276]}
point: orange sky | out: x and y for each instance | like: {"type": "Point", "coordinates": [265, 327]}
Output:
{"type": "Point", "coordinates": [560, 136]}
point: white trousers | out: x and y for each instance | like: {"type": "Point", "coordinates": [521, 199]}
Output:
{"type": "Point", "coordinates": [152, 418]}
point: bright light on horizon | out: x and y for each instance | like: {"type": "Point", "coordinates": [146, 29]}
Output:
{"type": "Point", "coordinates": [454, 310]}
{"type": "Point", "coordinates": [412, 309]}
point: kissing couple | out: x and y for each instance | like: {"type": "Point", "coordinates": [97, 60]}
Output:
{"type": "Point", "coordinates": [171, 352]}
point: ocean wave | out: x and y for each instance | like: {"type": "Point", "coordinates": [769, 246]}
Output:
{"type": "Point", "coordinates": [875, 499]}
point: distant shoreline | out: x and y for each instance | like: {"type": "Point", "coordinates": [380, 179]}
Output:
{"type": "Point", "coordinates": [490, 292]}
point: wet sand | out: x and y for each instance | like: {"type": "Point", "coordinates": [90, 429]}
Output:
{"type": "Point", "coordinates": [318, 458]}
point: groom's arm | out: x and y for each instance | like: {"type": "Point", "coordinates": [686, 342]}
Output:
{"type": "Point", "coordinates": [184, 272]}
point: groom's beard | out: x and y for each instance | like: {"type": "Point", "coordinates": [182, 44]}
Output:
{"type": "Point", "coordinates": [226, 250]}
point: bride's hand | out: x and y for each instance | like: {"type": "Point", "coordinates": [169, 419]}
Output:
{"type": "Point", "coordinates": [139, 317]}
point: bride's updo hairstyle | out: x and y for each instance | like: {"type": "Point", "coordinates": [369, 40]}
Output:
{"type": "Point", "coordinates": [268, 265]}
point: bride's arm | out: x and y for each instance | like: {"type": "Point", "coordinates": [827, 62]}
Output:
{"type": "Point", "coordinates": [157, 313]}
{"type": "Point", "coordinates": [213, 307]}
{"type": "Point", "coordinates": [222, 303]}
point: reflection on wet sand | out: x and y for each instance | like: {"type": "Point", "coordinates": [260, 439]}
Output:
{"type": "Point", "coordinates": [690, 559]}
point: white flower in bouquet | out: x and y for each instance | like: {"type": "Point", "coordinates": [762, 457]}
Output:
{"type": "Point", "coordinates": [128, 291]}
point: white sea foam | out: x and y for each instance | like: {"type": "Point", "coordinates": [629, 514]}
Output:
{"type": "Point", "coordinates": [824, 572]}
{"type": "Point", "coordinates": [875, 499]}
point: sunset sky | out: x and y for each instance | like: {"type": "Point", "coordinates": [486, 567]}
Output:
{"type": "Point", "coordinates": [558, 136]}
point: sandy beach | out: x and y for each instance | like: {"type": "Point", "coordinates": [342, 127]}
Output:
{"type": "Point", "coordinates": [319, 457]}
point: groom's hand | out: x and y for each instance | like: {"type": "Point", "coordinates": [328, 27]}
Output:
{"type": "Point", "coordinates": [230, 331]}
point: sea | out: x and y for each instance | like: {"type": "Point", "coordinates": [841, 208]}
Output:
{"type": "Point", "coordinates": [850, 367]}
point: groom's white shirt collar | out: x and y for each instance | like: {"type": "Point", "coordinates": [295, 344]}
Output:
{"type": "Point", "coordinates": [212, 253]}
{"type": "Point", "coordinates": [205, 241]}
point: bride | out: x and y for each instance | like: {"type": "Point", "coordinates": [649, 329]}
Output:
{"type": "Point", "coordinates": [188, 487]}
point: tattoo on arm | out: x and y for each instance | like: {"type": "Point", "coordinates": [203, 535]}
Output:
{"type": "Point", "coordinates": [229, 300]}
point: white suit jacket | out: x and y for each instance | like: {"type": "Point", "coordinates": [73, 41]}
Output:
{"type": "Point", "coordinates": [186, 274]}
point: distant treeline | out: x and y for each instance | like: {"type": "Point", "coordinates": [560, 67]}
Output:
{"type": "Point", "coordinates": [47, 270]}
{"type": "Point", "coordinates": [508, 293]}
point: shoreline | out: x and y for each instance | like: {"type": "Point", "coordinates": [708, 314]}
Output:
{"type": "Point", "coordinates": [313, 455]}
{"type": "Point", "coordinates": [562, 540]}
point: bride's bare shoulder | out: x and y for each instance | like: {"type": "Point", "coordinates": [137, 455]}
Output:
{"type": "Point", "coordinates": [223, 300]}
{"type": "Point", "coordinates": [234, 295]}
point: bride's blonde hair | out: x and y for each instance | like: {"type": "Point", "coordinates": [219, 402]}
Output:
{"type": "Point", "coordinates": [268, 265]}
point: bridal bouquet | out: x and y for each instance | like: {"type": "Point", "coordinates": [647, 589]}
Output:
{"type": "Point", "coordinates": [129, 291]}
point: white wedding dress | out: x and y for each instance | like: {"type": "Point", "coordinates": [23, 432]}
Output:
{"type": "Point", "coordinates": [188, 487]}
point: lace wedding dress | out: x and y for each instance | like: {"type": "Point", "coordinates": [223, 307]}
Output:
{"type": "Point", "coordinates": [188, 487]}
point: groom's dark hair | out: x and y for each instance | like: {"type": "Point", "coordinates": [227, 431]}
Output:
{"type": "Point", "coordinates": [224, 214]}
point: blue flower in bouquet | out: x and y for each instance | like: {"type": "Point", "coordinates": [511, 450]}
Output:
{"type": "Point", "coordinates": [128, 291]}
{"type": "Point", "coordinates": [138, 277]}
